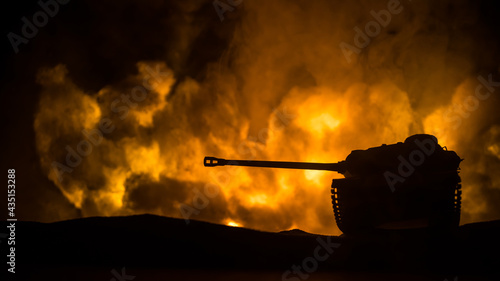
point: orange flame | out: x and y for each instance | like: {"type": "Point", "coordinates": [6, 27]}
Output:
{"type": "Point", "coordinates": [289, 95]}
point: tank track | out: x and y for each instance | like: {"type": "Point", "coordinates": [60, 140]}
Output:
{"type": "Point", "coordinates": [336, 206]}
{"type": "Point", "coordinates": [457, 204]}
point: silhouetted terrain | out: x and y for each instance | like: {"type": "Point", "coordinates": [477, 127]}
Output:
{"type": "Point", "coordinates": [159, 248]}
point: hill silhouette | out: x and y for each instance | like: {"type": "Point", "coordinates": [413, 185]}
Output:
{"type": "Point", "coordinates": [150, 243]}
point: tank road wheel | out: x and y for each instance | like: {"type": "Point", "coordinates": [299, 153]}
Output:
{"type": "Point", "coordinates": [446, 216]}
{"type": "Point", "coordinates": [336, 208]}
{"type": "Point", "coordinates": [351, 216]}
{"type": "Point", "coordinates": [457, 204]}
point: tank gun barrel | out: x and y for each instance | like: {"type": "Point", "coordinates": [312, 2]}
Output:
{"type": "Point", "coordinates": [336, 167]}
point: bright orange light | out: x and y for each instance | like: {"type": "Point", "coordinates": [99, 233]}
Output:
{"type": "Point", "coordinates": [323, 122]}
{"type": "Point", "coordinates": [234, 224]}
{"type": "Point", "coordinates": [144, 159]}
{"type": "Point", "coordinates": [314, 176]}
{"type": "Point", "coordinates": [259, 199]}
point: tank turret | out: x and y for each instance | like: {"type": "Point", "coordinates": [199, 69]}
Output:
{"type": "Point", "coordinates": [410, 184]}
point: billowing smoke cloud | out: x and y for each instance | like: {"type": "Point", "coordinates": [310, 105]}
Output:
{"type": "Point", "coordinates": [276, 80]}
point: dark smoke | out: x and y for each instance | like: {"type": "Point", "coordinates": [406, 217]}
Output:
{"type": "Point", "coordinates": [226, 79]}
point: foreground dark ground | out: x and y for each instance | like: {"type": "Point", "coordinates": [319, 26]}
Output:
{"type": "Point", "coordinates": [159, 248]}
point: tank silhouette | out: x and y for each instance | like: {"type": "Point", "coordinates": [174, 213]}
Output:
{"type": "Point", "coordinates": [410, 184]}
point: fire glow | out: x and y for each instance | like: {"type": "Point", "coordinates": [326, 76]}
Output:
{"type": "Point", "coordinates": [152, 160]}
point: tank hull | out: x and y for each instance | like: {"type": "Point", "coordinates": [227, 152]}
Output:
{"type": "Point", "coordinates": [362, 205]}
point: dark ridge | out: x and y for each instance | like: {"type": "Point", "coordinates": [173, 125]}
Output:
{"type": "Point", "coordinates": [294, 232]}
{"type": "Point", "coordinates": [151, 242]}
